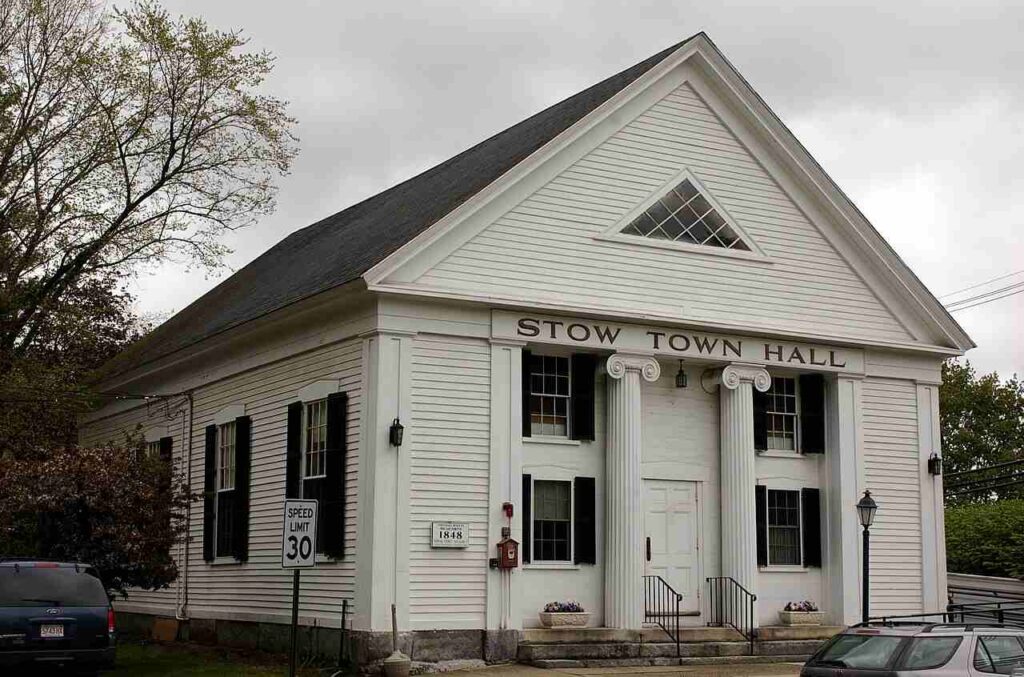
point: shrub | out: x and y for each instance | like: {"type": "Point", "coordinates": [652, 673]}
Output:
{"type": "Point", "coordinates": [986, 539]}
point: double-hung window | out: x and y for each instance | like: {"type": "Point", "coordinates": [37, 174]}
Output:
{"type": "Point", "coordinates": [225, 477]}
{"type": "Point", "coordinates": [552, 521]}
{"type": "Point", "coordinates": [781, 414]}
{"type": "Point", "coordinates": [314, 457]}
{"type": "Point", "coordinates": [784, 536]}
{"type": "Point", "coordinates": [153, 449]}
{"type": "Point", "coordinates": [549, 395]}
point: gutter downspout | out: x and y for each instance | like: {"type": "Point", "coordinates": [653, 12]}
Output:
{"type": "Point", "coordinates": [181, 613]}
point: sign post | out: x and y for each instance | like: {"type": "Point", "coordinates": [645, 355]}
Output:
{"type": "Point", "coordinates": [298, 551]}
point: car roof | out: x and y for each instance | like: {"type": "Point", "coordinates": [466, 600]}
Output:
{"type": "Point", "coordinates": [922, 629]}
{"type": "Point", "coordinates": [16, 562]}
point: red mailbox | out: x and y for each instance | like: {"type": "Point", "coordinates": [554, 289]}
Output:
{"type": "Point", "coordinates": [508, 553]}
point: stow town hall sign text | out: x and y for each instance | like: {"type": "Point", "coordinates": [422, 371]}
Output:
{"type": "Point", "coordinates": [675, 342]}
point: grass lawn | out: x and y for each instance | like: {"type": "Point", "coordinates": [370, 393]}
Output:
{"type": "Point", "coordinates": [152, 660]}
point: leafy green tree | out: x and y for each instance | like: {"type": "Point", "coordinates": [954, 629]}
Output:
{"type": "Point", "coordinates": [127, 138]}
{"type": "Point", "coordinates": [986, 539]}
{"type": "Point", "coordinates": [982, 421]}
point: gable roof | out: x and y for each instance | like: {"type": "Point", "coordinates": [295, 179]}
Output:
{"type": "Point", "coordinates": [340, 248]}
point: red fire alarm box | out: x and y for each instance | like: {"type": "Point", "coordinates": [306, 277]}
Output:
{"type": "Point", "coordinates": [508, 553]}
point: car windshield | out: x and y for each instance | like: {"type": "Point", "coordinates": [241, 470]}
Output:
{"type": "Point", "coordinates": [860, 651]}
{"type": "Point", "coordinates": [29, 585]}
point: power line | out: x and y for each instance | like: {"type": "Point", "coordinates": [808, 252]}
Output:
{"type": "Point", "coordinates": [1016, 285]}
{"type": "Point", "coordinates": [981, 303]}
{"type": "Point", "coordinates": [980, 284]}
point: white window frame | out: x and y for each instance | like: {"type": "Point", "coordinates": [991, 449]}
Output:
{"type": "Point", "coordinates": [800, 529]}
{"type": "Point", "coordinates": [153, 449]}
{"type": "Point", "coordinates": [533, 518]}
{"type": "Point", "coordinates": [322, 452]}
{"type": "Point", "coordinates": [232, 455]}
{"type": "Point", "coordinates": [797, 442]}
{"type": "Point", "coordinates": [568, 397]}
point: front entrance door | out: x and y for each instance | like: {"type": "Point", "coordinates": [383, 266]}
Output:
{"type": "Point", "coordinates": [671, 537]}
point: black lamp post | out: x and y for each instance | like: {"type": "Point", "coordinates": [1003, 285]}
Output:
{"type": "Point", "coordinates": [866, 508]}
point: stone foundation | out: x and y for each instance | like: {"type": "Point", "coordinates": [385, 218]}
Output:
{"type": "Point", "coordinates": [363, 648]}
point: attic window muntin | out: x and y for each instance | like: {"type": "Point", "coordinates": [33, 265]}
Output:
{"type": "Point", "coordinates": [684, 215]}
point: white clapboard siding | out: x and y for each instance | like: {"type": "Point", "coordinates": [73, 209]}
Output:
{"type": "Point", "coordinates": [544, 248]}
{"type": "Point", "coordinates": [892, 473]}
{"type": "Point", "coordinates": [260, 588]}
{"type": "Point", "coordinates": [450, 443]}
{"type": "Point", "coordinates": [169, 414]}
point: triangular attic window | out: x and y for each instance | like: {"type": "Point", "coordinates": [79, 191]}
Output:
{"type": "Point", "coordinates": [684, 215]}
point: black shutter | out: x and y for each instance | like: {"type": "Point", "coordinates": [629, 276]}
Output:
{"type": "Point", "coordinates": [293, 450]}
{"type": "Point", "coordinates": [527, 518]}
{"type": "Point", "coordinates": [209, 492]}
{"type": "Point", "coordinates": [584, 367]}
{"type": "Point", "coordinates": [585, 526]}
{"type": "Point", "coordinates": [810, 500]}
{"type": "Point", "coordinates": [243, 470]}
{"type": "Point", "coordinates": [333, 521]}
{"type": "Point", "coordinates": [761, 499]}
{"type": "Point", "coordinates": [760, 420]}
{"type": "Point", "coordinates": [166, 449]}
{"type": "Point", "coordinates": [812, 414]}
{"type": "Point", "coordinates": [526, 393]}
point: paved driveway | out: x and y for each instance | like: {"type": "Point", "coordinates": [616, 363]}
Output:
{"type": "Point", "coordinates": [766, 670]}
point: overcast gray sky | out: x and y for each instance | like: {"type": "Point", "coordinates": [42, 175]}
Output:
{"type": "Point", "coordinates": [915, 109]}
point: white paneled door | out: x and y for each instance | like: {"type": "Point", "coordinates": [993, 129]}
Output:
{"type": "Point", "coordinates": [671, 537]}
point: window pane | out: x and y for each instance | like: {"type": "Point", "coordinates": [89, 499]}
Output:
{"type": "Point", "coordinates": [549, 395]}
{"type": "Point", "coordinates": [998, 654]}
{"type": "Point", "coordinates": [859, 651]}
{"type": "Point", "coordinates": [783, 527]}
{"type": "Point", "coordinates": [316, 439]}
{"type": "Point", "coordinates": [781, 414]}
{"type": "Point", "coordinates": [931, 652]}
{"type": "Point", "coordinates": [226, 457]}
{"type": "Point", "coordinates": [552, 520]}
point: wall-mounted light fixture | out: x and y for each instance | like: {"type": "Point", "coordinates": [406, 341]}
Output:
{"type": "Point", "coordinates": [681, 376]}
{"type": "Point", "coordinates": [934, 464]}
{"type": "Point", "coordinates": [395, 433]}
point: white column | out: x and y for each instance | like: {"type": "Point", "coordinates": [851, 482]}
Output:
{"type": "Point", "coordinates": [624, 563]}
{"type": "Point", "coordinates": [739, 512]}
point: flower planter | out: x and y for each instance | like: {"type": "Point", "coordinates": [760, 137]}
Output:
{"type": "Point", "coordinates": [801, 617]}
{"type": "Point", "coordinates": [564, 619]}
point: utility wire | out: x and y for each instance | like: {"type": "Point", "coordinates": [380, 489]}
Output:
{"type": "Point", "coordinates": [980, 284]}
{"type": "Point", "coordinates": [1016, 285]}
{"type": "Point", "coordinates": [981, 303]}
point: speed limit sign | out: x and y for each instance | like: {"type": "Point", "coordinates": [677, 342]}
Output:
{"type": "Point", "coordinates": [298, 538]}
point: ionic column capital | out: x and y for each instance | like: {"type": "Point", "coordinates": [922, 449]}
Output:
{"type": "Point", "coordinates": [621, 363]}
{"type": "Point", "coordinates": [733, 375]}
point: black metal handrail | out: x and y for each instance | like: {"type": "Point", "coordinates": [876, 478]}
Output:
{"type": "Point", "coordinates": [733, 605]}
{"type": "Point", "coordinates": [661, 606]}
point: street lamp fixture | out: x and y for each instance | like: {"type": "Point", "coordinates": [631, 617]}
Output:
{"type": "Point", "coordinates": [866, 509]}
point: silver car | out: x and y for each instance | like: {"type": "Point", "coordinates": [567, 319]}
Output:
{"type": "Point", "coordinates": [921, 649]}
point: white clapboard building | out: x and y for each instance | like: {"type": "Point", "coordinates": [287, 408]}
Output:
{"type": "Point", "coordinates": [644, 322]}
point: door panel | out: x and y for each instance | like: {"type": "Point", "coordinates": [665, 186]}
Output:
{"type": "Point", "coordinates": [671, 523]}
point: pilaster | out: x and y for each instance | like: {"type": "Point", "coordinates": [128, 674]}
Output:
{"type": "Point", "coordinates": [843, 470]}
{"type": "Point", "coordinates": [623, 596]}
{"type": "Point", "coordinates": [739, 510]}
{"type": "Point", "coordinates": [933, 532]}
{"type": "Point", "coordinates": [505, 478]}
{"type": "Point", "coordinates": [382, 557]}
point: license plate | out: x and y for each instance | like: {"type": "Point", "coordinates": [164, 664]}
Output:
{"type": "Point", "coordinates": [51, 631]}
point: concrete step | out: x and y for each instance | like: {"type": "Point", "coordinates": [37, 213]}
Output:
{"type": "Point", "coordinates": [695, 633]}
{"type": "Point", "coordinates": [531, 652]}
{"type": "Point", "coordinates": [554, 664]}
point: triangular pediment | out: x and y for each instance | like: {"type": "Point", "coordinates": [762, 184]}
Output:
{"type": "Point", "coordinates": [673, 201]}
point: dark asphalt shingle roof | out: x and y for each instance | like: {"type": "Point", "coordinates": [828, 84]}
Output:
{"type": "Point", "coordinates": [340, 248]}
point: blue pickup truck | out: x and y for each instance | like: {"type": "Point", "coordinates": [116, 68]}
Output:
{"type": "Point", "coordinates": [54, 614]}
